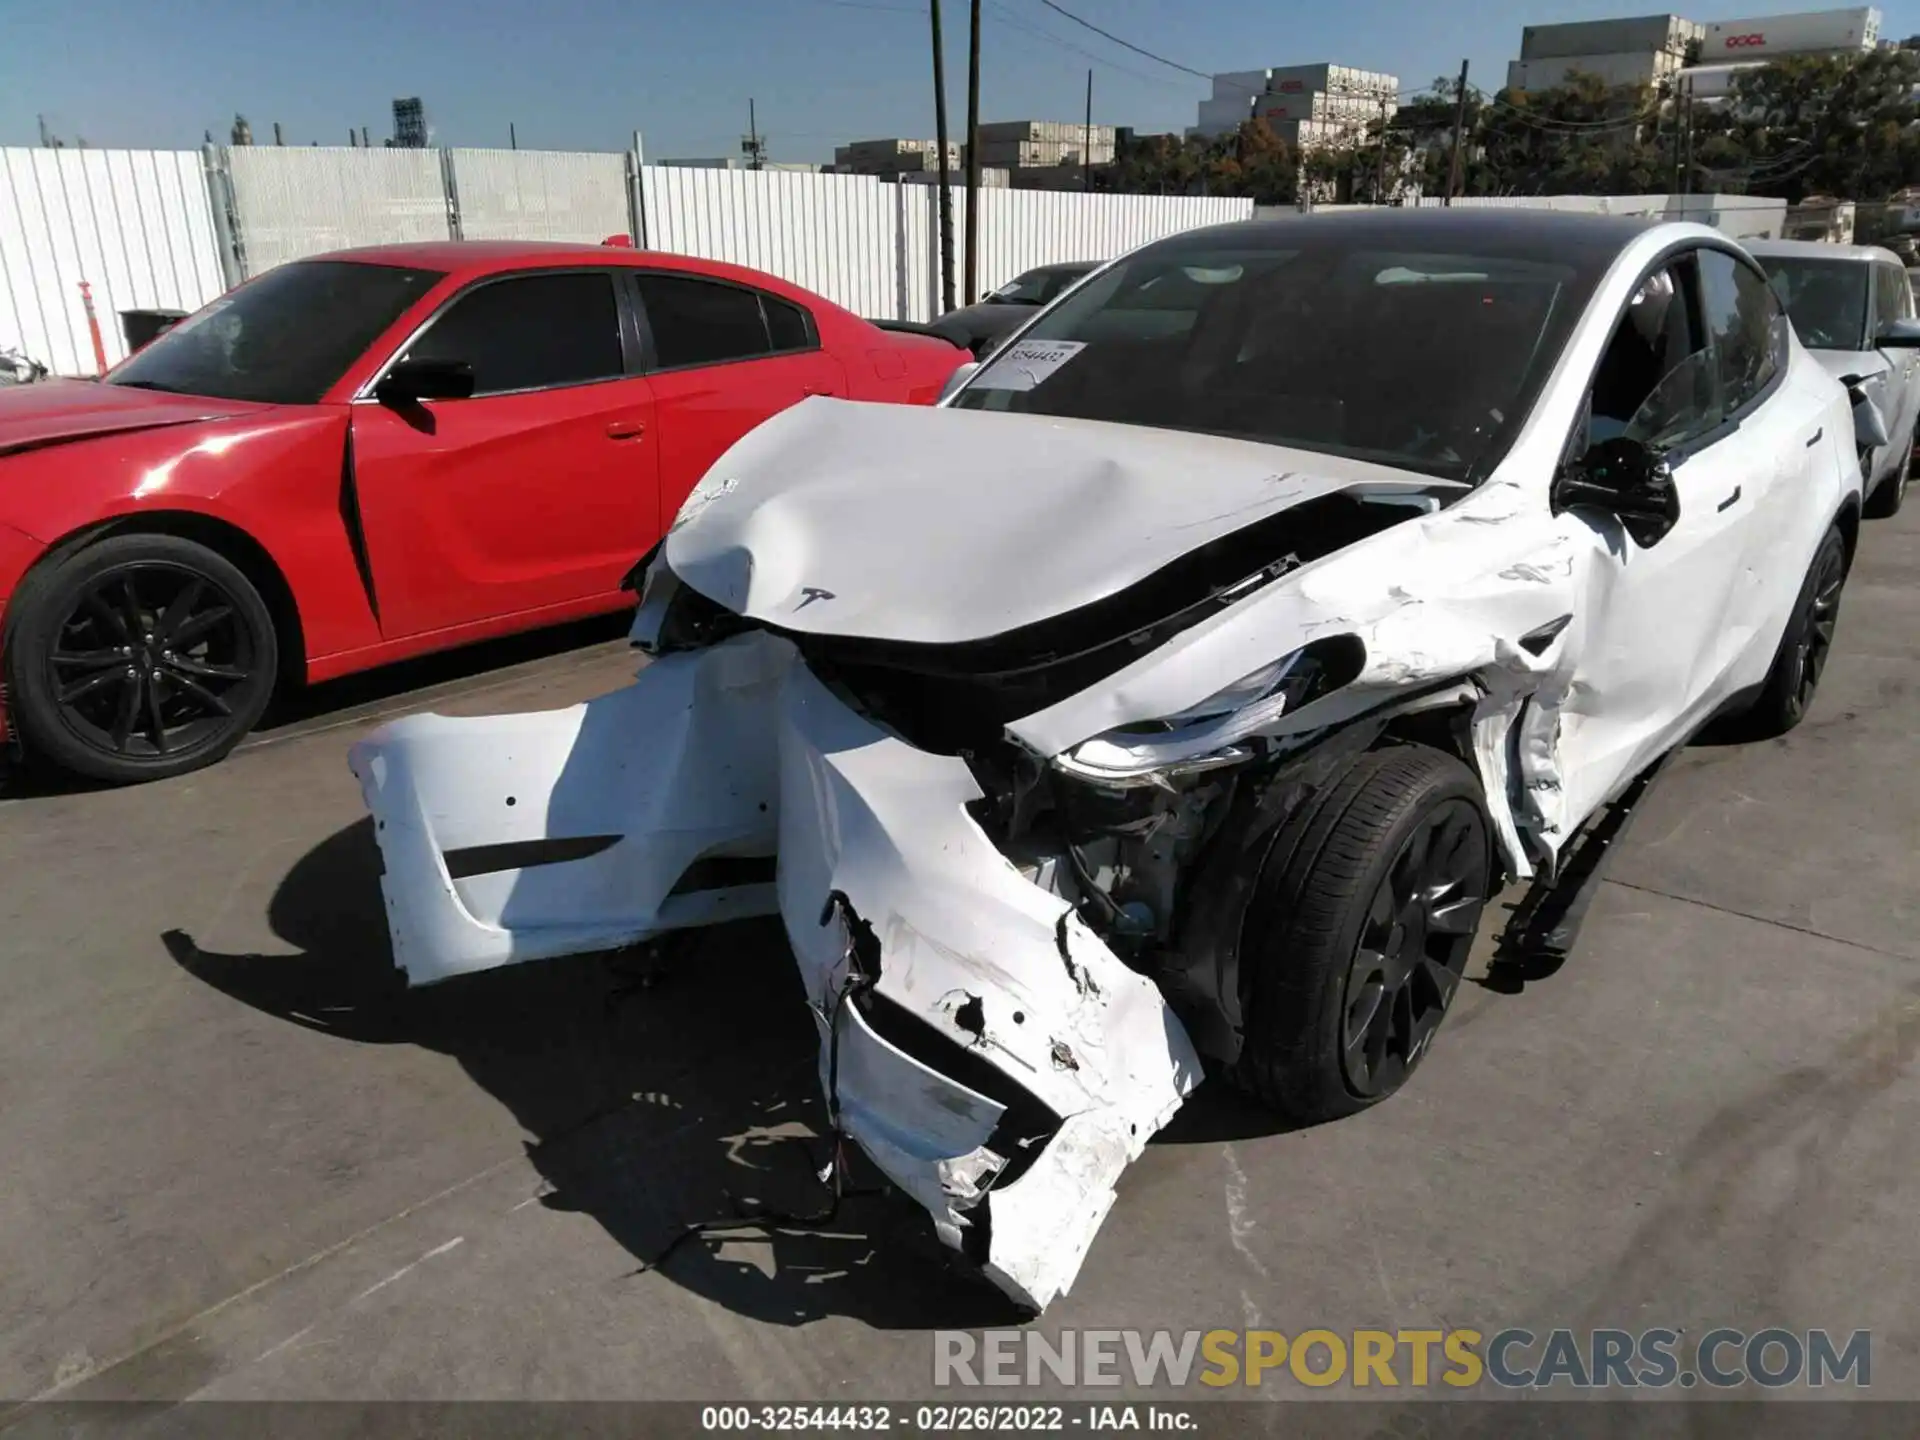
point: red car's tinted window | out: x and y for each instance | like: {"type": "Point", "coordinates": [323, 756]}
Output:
{"type": "Point", "coordinates": [702, 322]}
{"type": "Point", "coordinates": [284, 338]}
{"type": "Point", "coordinates": [531, 332]}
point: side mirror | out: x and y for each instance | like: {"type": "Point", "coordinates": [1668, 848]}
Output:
{"type": "Point", "coordinates": [416, 380]}
{"type": "Point", "coordinates": [1899, 335]}
{"type": "Point", "coordinates": [1625, 478]}
{"type": "Point", "coordinates": [959, 377]}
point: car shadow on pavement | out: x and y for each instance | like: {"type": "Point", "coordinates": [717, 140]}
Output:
{"type": "Point", "coordinates": [652, 1099]}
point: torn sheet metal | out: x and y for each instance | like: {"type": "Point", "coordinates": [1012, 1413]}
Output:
{"type": "Point", "coordinates": [994, 966]}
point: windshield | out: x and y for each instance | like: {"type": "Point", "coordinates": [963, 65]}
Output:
{"type": "Point", "coordinates": [1825, 299]}
{"type": "Point", "coordinates": [284, 338]}
{"type": "Point", "coordinates": [1427, 361]}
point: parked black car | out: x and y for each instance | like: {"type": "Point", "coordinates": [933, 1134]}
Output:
{"type": "Point", "coordinates": [983, 325]}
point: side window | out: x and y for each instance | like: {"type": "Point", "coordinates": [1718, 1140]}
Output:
{"type": "Point", "coordinates": [532, 332]}
{"type": "Point", "coordinates": [703, 322]}
{"type": "Point", "coordinates": [1742, 323]}
{"type": "Point", "coordinates": [1893, 298]}
{"type": "Point", "coordinates": [1655, 382]}
{"type": "Point", "coordinates": [787, 325]}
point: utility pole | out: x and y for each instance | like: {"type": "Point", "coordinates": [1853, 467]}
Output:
{"type": "Point", "coordinates": [46, 135]}
{"type": "Point", "coordinates": [276, 134]}
{"type": "Point", "coordinates": [973, 157]}
{"type": "Point", "coordinates": [1381, 197]}
{"type": "Point", "coordinates": [1686, 175]}
{"type": "Point", "coordinates": [940, 139]}
{"type": "Point", "coordinates": [755, 150]}
{"type": "Point", "coordinates": [1086, 140]}
{"type": "Point", "coordinates": [513, 137]}
{"type": "Point", "coordinates": [353, 138]}
{"type": "Point", "coordinates": [1459, 135]}
{"type": "Point", "coordinates": [366, 141]}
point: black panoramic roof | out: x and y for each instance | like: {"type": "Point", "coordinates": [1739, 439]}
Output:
{"type": "Point", "coordinates": [1585, 240]}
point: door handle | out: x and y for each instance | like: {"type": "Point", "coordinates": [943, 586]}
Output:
{"type": "Point", "coordinates": [626, 430]}
{"type": "Point", "coordinates": [1731, 500]}
{"type": "Point", "coordinates": [1814, 439]}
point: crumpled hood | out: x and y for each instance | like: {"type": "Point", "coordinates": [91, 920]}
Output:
{"type": "Point", "coordinates": [942, 525]}
{"type": "Point", "coordinates": [56, 410]}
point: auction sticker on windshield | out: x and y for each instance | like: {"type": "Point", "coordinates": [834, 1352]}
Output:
{"type": "Point", "coordinates": [1023, 365]}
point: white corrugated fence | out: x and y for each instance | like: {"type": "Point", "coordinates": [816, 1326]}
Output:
{"type": "Point", "coordinates": [133, 225]}
{"type": "Point", "coordinates": [169, 229]}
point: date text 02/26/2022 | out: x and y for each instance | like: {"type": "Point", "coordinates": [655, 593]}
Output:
{"type": "Point", "coordinates": [946, 1419]}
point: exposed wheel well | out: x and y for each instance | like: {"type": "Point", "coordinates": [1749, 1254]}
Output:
{"type": "Point", "coordinates": [233, 544]}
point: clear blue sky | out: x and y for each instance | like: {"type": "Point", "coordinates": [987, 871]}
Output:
{"type": "Point", "coordinates": [584, 74]}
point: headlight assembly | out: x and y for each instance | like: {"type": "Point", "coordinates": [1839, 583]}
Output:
{"type": "Point", "coordinates": [1212, 733]}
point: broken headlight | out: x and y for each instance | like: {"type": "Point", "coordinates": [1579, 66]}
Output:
{"type": "Point", "coordinates": [1213, 732]}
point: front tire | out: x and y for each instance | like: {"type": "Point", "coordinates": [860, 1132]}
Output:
{"type": "Point", "coordinates": [1363, 917]}
{"type": "Point", "coordinates": [138, 657]}
{"type": "Point", "coordinates": [1885, 503]}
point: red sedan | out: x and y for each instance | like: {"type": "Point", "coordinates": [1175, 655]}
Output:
{"type": "Point", "coordinates": [370, 455]}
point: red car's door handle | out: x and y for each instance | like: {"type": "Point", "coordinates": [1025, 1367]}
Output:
{"type": "Point", "coordinates": [626, 429]}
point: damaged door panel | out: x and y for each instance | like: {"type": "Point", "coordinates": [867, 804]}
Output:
{"type": "Point", "coordinates": [1178, 702]}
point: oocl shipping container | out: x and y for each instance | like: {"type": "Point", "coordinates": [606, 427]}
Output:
{"type": "Point", "coordinates": [1646, 33]}
{"type": "Point", "coordinates": [1812, 32]}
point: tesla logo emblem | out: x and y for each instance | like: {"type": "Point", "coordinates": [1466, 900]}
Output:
{"type": "Point", "coordinates": [811, 593]}
{"type": "Point", "coordinates": [1745, 42]}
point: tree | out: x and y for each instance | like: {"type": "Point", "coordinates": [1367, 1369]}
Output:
{"type": "Point", "coordinates": [1816, 124]}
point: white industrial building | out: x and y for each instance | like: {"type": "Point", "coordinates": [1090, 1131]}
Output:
{"type": "Point", "coordinates": [1306, 105]}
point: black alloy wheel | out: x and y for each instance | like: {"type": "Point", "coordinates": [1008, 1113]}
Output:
{"type": "Point", "coordinates": [1413, 948]}
{"type": "Point", "coordinates": [1805, 647]}
{"type": "Point", "coordinates": [138, 657]}
{"type": "Point", "coordinates": [1361, 923]}
{"type": "Point", "coordinates": [1814, 640]}
{"type": "Point", "coordinates": [145, 661]}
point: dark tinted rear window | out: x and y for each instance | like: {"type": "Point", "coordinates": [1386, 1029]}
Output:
{"type": "Point", "coordinates": [284, 338]}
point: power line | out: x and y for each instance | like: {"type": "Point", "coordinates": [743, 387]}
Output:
{"type": "Point", "coordinates": [1124, 44]}
{"type": "Point", "coordinates": [1009, 18]}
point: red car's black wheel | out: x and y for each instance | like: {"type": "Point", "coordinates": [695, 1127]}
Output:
{"type": "Point", "coordinates": [138, 657]}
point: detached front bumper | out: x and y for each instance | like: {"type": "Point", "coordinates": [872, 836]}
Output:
{"type": "Point", "coordinates": [984, 1048]}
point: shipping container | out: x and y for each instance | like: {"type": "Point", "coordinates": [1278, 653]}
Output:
{"type": "Point", "coordinates": [1714, 82]}
{"type": "Point", "coordinates": [1229, 111]}
{"type": "Point", "coordinates": [1349, 109]}
{"type": "Point", "coordinates": [1239, 84]}
{"type": "Point", "coordinates": [1312, 134]}
{"type": "Point", "coordinates": [1331, 79]}
{"type": "Point", "coordinates": [1642, 33]}
{"type": "Point", "coordinates": [1812, 32]}
{"type": "Point", "coordinates": [1043, 131]}
{"type": "Point", "coordinates": [1642, 68]}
